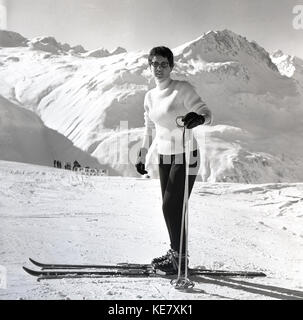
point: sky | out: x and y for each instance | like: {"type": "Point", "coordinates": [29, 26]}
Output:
{"type": "Point", "coordinates": [142, 24]}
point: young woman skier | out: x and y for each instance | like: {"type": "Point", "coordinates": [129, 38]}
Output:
{"type": "Point", "coordinates": [169, 100]}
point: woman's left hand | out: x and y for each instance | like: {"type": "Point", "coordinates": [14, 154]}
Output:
{"type": "Point", "coordinates": [192, 119]}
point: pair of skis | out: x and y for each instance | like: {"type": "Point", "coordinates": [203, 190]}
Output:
{"type": "Point", "coordinates": [60, 271]}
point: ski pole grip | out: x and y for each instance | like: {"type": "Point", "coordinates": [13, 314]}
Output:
{"type": "Point", "coordinates": [179, 121]}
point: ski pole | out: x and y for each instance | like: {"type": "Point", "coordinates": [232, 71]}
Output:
{"type": "Point", "coordinates": [184, 282]}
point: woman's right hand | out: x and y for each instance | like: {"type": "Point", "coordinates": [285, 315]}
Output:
{"type": "Point", "coordinates": [140, 164]}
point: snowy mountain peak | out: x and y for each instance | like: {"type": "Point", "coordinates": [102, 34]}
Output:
{"type": "Point", "coordinates": [278, 53]}
{"type": "Point", "coordinates": [12, 39]}
{"type": "Point", "coordinates": [258, 113]}
{"type": "Point", "coordinates": [98, 53]}
{"type": "Point", "coordinates": [220, 46]}
{"type": "Point", "coordinates": [118, 50]}
{"type": "Point", "coordinates": [78, 49]}
{"type": "Point", "coordinates": [102, 52]}
{"type": "Point", "coordinates": [288, 65]}
{"type": "Point", "coordinates": [50, 44]}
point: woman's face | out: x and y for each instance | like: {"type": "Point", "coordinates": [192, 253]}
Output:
{"type": "Point", "coordinates": [160, 68]}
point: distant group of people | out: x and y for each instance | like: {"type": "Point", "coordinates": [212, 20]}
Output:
{"type": "Point", "coordinates": [67, 165]}
{"type": "Point", "coordinates": [77, 167]}
{"type": "Point", "coordinates": [57, 164]}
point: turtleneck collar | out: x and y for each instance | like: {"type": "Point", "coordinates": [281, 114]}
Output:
{"type": "Point", "coordinates": [161, 85]}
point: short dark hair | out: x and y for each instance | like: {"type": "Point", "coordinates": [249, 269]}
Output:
{"type": "Point", "coordinates": [163, 52]}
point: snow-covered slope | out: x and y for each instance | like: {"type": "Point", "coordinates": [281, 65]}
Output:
{"type": "Point", "coordinates": [60, 216]}
{"type": "Point", "coordinates": [257, 110]}
{"type": "Point", "coordinates": [24, 138]}
{"type": "Point", "coordinates": [12, 39]}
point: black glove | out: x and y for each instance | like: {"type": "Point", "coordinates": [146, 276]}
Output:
{"type": "Point", "coordinates": [140, 164]}
{"type": "Point", "coordinates": [192, 119]}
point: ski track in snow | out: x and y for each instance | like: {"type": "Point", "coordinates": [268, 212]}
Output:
{"type": "Point", "coordinates": [55, 215]}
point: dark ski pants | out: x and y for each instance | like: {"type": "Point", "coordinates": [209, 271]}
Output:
{"type": "Point", "coordinates": [172, 180]}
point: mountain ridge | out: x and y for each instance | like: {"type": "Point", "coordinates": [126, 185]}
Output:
{"type": "Point", "coordinates": [86, 98]}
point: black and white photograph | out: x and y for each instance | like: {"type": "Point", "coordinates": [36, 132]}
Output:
{"type": "Point", "coordinates": [151, 150]}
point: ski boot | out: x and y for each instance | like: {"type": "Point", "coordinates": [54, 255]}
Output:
{"type": "Point", "coordinates": [170, 265]}
{"type": "Point", "coordinates": [157, 260]}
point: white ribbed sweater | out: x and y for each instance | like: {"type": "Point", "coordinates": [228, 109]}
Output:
{"type": "Point", "coordinates": [162, 107]}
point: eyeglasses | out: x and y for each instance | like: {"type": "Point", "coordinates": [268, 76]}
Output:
{"type": "Point", "coordinates": [157, 64]}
